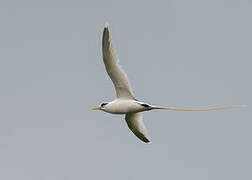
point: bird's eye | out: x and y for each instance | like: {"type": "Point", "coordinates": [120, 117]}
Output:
{"type": "Point", "coordinates": [103, 104]}
{"type": "Point", "coordinates": [145, 105]}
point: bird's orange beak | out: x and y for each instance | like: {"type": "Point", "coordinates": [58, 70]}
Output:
{"type": "Point", "coordinates": [96, 108]}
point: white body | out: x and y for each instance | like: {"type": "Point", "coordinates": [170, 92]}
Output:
{"type": "Point", "coordinates": [123, 106]}
{"type": "Point", "coordinates": [125, 102]}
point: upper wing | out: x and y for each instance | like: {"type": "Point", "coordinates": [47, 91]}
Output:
{"type": "Point", "coordinates": [136, 125]}
{"type": "Point", "coordinates": [114, 70]}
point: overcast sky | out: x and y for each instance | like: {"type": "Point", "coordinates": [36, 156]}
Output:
{"type": "Point", "coordinates": [176, 53]}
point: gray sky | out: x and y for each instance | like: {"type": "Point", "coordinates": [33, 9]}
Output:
{"type": "Point", "coordinates": [180, 53]}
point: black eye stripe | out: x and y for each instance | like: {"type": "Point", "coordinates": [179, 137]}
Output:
{"type": "Point", "coordinates": [103, 104]}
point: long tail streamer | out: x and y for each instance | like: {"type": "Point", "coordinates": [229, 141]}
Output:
{"type": "Point", "coordinates": [203, 109]}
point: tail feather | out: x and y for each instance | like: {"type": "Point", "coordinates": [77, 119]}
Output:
{"type": "Point", "coordinates": [196, 109]}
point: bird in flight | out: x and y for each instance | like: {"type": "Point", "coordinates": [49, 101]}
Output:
{"type": "Point", "coordinates": [125, 101]}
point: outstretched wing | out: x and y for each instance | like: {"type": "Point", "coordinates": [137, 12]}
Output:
{"type": "Point", "coordinates": [136, 125]}
{"type": "Point", "coordinates": [114, 70]}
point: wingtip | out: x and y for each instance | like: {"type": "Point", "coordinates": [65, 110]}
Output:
{"type": "Point", "coordinates": [149, 142]}
{"type": "Point", "coordinates": [106, 25]}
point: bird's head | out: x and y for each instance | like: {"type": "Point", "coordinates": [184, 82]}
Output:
{"type": "Point", "coordinates": [101, 107]}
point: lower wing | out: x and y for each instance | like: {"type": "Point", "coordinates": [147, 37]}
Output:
{"type": "Point", "coordinates": [136, 125]}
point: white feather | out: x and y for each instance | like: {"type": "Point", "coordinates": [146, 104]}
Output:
{"type": "Point", "coordinates": [114, 70]}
